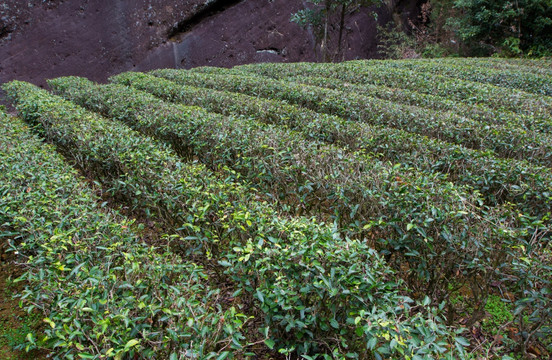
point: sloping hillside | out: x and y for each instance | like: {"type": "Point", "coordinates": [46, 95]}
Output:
{"type": "Point", "coordinates": [368, 209]}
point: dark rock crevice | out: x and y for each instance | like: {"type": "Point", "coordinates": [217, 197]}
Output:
{"type": "Point", "coordinates": [5, 27]}
{"type": "Point", "coordinates": [208, 9]}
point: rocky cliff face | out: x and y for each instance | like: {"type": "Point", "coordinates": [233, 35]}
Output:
{"type": "Point", "coordinates": [40, 39]}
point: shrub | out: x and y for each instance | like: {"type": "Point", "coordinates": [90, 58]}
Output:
{"type": "Point", "coordinates": [304, 279]}
{"type": "Point", "coordinates": [323, 76]}
{"type": "Point", "coordinates": [498, 180]}
{"type": "Point", "coordinates": [101, 290]}
{"type": "Point", "coordinates": [435, 84]}
{"type": "Point", "coordinates": [368, 197]}
{"type": "Point", "coordinates": [506, 141]}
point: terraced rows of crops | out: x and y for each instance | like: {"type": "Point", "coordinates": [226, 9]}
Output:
{"type": "Point", "coordinates": [369, 209]}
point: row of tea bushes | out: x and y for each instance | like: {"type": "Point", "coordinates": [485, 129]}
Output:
{"type": "Point", "coordinates": [281, 162]}
{"type": "Point", "coordinates": [396, 207]}
{"type": "Point", "coordinates": [402, 96]}
{"type": "Point", "coordinates": [453, 89]}
{"type": "Point", "coordinates": [316, 293]}
{"type": "Point", "coordinates": [499, 180]}
{"type": "Point", "coordinates": [533, 234]}
{"type": "Point", "coordinates": [102, 291]}
{"type": "Point", "coordinates": [539, 67]}
{"type": "Point", "coordinates": [512, 78]}
{"type": "Point", "coordinates": [506, 141]}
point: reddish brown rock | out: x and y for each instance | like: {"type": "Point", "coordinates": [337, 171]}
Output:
{"type": "Point", "coordinates": [96, 38]}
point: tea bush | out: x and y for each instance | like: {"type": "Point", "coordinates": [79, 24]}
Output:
{"type": "Point", "coordinates": [369, 209]}
{"type": "Point", "coordinates": [513, 78]}
{"type": "Point", "coordinates": [323, 78]}
{"type": "Point", "coordinates": [316, 292]}
{"type": "Point", "coordinates": [101, 290]}
{"type": "Point", "coordinates": [506, 141]}
{"type": "Point", "coordinates": [498, 180]}
{"type": "Point", "coordinates": [367, 196]}
{"type": "Point", "coordinates": [428, 83]}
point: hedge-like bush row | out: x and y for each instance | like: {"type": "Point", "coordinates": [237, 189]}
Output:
{"type": "Point", "coordinates": [476, 112]}
{"type": "Point", "coordinates": [499, 180]}
{"type": "Point", "coordinates": [318, 293]}
{"type": "Point", "coordinates": [102, 291]}
{"type": "Point", "coordinates": [454, 89]}
{"type": "Point", "coordinates": [537, 67]}
{"type": "Point", "coordinates": [402, 96]}
{"type": "Point", "coordinates": [539, 84]}
{"type": "Point", "coordinates": [397, 208]}
{"type": "Point", "coordinates": [506, 141]}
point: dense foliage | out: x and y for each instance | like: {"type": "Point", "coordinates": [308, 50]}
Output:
{"type": "Point", "coordinates": [513, 27]}
{"type": "Point", "coordinates": [507, 28]}
{"type": "Point", "coordinates": [507, 140]}
{"type": "Point", "coordinates": [366, 194]}
{"type": "Point", "coordinates": [306, 280]}
{"type": "Point", "coordinates": [101, 289]}
{"type": "Point", "coordinates": [371, 209]}
{"type": "Point", "coordinates": [498, 180]}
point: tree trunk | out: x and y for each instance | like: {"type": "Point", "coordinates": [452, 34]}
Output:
{"type": "Point", "coordinates": [341, 25]}
{"type": "Point", "coordinates": [325, 41]}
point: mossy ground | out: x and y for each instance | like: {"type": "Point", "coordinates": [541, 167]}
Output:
{"type": "Point", "coordinates": [15, 323]}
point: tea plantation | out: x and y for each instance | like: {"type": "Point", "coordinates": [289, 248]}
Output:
{"type": "Point", "coordinates": [368, 209]}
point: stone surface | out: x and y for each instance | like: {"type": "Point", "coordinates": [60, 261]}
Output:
{"type": "Point", "coordinates": [41, 39]}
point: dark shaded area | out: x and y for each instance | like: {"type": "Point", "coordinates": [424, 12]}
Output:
{"type": "Point", "coordinates": [5, 30]}
{"type": "Point", "coordinates": [209, 9]}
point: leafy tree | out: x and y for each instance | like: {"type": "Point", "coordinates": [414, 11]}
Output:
{"type": "Point", "coordinates": [321, 15]}
{"type": "Point", "coordinates": [513, 27]}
